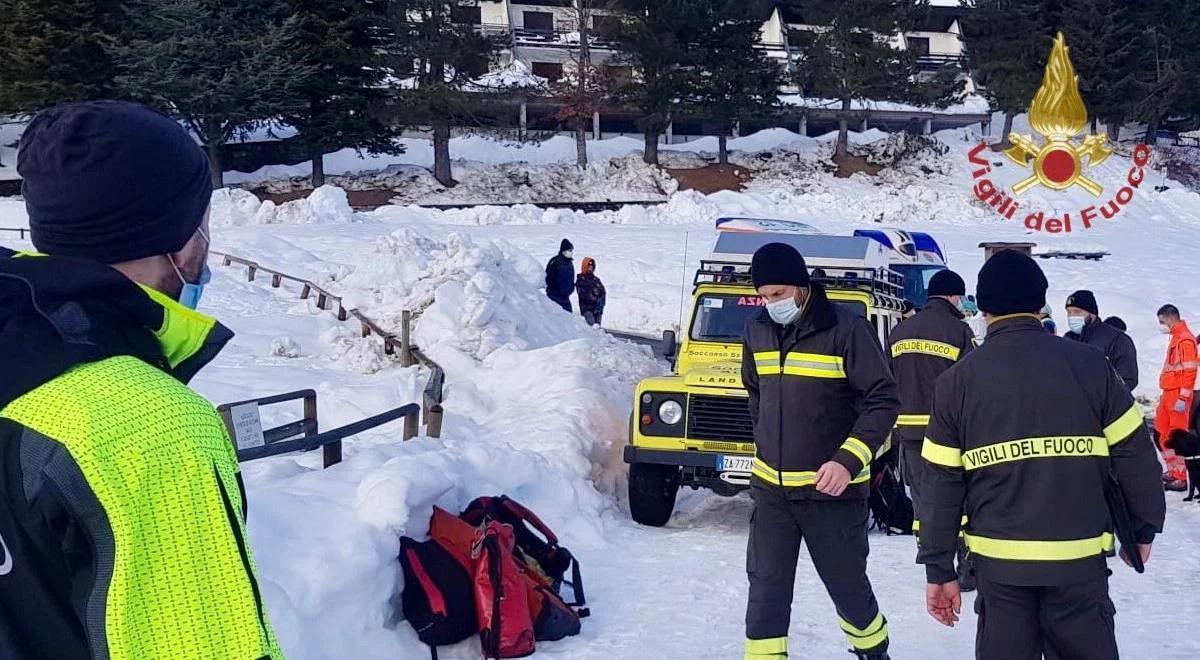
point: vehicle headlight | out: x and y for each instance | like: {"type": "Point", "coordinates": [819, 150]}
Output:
{"type": "Point", "coordinates": [670, 412]}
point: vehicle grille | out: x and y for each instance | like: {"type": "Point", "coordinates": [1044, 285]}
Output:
{"type": "Point", "coordinates": [720, 418]}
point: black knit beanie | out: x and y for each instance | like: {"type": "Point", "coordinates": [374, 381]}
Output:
{"type": "Point", "coordinates": [1085, 300]}
{"type": "Point", "coordinates": [111, 182]}
{"type": "Point", "coordinates": [564, 246]}
{"type": "Point", "coordinates": [947, 283]}
{"type": "Point", "coordinates": [778, 263]}
{"type": "Point", "coordinates": [1011, 283]}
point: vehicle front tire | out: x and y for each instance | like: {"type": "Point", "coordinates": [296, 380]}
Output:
{"type": "Point", "coordinates": [652, 491]}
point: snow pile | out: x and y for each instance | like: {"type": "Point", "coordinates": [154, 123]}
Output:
{"type": "Point", "coordinates": [327, 205]}
{"type": "Point", "coordinates": [516, 75]}
{"type": "Point", "coordinates": [537, 407]}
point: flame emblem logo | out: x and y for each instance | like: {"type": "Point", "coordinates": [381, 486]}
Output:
{"type": "Point", "coordinates": [1058, 115]}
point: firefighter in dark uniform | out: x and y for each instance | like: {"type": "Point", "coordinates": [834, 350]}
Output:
{"type": "Point", "coordinates": [1023, 435]}
{"type": "Point", "coordinates": [823, 402]}
{"type": "Point", "coordinates": [922, 348]}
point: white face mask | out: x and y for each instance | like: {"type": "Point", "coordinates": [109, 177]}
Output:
{"type": "Point", "coordinates": [1076, 323]}
{"type": "Point", "coordinates": [1164, 328]}
{"type": "Point", "coordinates": [569, 253]}
{"type": "Point", "coordinates": [784, 311]}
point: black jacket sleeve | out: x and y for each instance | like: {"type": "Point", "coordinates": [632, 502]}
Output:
{"type": "Point", "coordinates": [750, 375]}
{"type": "Point", "coordinates": [869, 375]}
{"type": "Point", "coordinates": [1134, 459]}
{"type": "Point", "coordinates": [944, 487]}
{"type": "Point", "coordinates": [1124, 360]}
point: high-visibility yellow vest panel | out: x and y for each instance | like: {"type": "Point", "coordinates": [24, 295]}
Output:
{"type": "Point", "coordinates": [158, 459]}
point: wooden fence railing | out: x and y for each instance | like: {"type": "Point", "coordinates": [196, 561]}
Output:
{"type": "Point", "coordinates": [431, 404]}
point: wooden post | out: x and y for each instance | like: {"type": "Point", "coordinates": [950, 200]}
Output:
{"type": "Point", "coordinates": [225, 261]}
{"type": "Point", "coordinates": [250, 271]}
{"type": "Point", "coordinates": [305, 291]}
{"type": "Point", "coordinates": [406, 356]}
{"type": "Point", "coordinates": [322, 300]}
{"type": "Point", "coordinates": [366, 329]}
{"type": "Point", "coordinates": [596, 135]}
{"type": "Point", "coordinates": [411, 425]}
{"type": "Point", "coordinates": [342, 316]}
{"type": "Point", "coordinates": [433, 421]}
{"type": "Point", "coordinates": [276, 280]}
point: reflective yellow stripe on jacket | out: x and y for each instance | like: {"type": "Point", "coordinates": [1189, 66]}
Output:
{"type": "Point", "coordinates": [1125, 425]}
{"type": "Point", "coordinates": [942, 455]}
{"type": "Point", "coordinates": [925, 347]}
{"type": "Point", "coordinates": [1018, 550]}
{"type": "Point", "coordinates": [811, 365]}
{"type": "Point", "coordinates": [912, 420]}
{"type": "Point", "coordinates": [799, 478]}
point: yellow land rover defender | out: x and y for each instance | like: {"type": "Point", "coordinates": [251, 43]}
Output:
{"type": "Point", "coordinates": [693, 428]}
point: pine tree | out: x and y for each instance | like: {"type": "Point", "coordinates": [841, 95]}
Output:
{"type": "Point", "coordinates": [657, 42]}
{"type": "Point", "coordinates": [1108, 50]}
{"type": "Point", "coordinates": [342, 100]}
{"type": "Point", "coordinates": [1007, 43]}
{"type": "Point", "coordinates": [736, 77]}
{"type": "Point", "coordinates": [438, 58]}
{"type": "Point", "coordinates": [55, 50]}
{"type": "Point", "coordinates": [1171, 70]}
{"type": "Point", "coordinates": [854, 54]}
{"type": "Point", "coordinates": [222, 68]}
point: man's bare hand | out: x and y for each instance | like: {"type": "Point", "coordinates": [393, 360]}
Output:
{"type": "Point", "coordinates": [832, 479]}
{"type": "Point", "coordinates": [1143, 549]}
{"type": "Point", "coordinates": [944, 602]}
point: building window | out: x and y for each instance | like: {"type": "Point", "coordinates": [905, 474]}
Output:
{"type": "Point", "coordinates": [919, 46]}
{"type": "Point", "coordinates": [552, 71]}
{"type": "Point", "coordinates": [606, 26]}
{"type": "Point", "coordinates": [539, 21]}
{"type": "Point", "coordinates": [466, 15]}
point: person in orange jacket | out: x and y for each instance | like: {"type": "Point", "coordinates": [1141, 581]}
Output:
{"type": "Point", "coordinates": [1178, 383]}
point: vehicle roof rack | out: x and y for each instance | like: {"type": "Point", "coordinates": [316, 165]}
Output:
{"type": "Point", "coordinates": [885, 285]}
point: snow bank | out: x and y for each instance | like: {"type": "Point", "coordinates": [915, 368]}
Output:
{"type": "Point", "coordinates": [537, 405]}
{"type": "Point", "coordinates": [327, 205]}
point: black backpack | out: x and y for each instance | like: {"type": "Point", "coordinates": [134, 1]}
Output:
{"type": "Point", "coordinates": [891, 508]}
{"type": "Point", "coordinates": [439, 594]}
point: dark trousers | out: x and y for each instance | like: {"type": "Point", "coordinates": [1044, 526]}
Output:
{"type": "Point", "coordinates": [1070, 622]}
{"type": "Point", "coordinates": [912, 467]}
{"type": "Point", "coordinates": [836, 535]}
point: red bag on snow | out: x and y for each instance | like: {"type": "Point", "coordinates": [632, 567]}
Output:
{"type": "Point", "coordinates": [501, 596]}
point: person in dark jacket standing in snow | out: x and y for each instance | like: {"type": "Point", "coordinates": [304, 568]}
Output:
{"type": "Point", "coordinates": [122, 521]}
{"type": "Point", "coordinates": [823, 401]}
{"type": "Point", "coordinates": [560, 276]}
{"type": "Point", "coordinates": [1083, 318]}
{"type": "Point", "coordinates": [590, 289]}
{"type": "Point", "coordinates": [1023, 435]}
{"type": "Point", "coordinates": [923, 348]}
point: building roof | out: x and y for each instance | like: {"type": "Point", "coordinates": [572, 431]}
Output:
{"type": "Point", "coordinates": [940, 19]}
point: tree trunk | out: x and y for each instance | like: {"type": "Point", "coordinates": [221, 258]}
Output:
{"type": "Point", "coordinates": [318, 169]}
{"type": "Point", "coordinates": [1151, 131]}
{"type": "Point", "coordinates": [650, 154]}
{"type": "Point", "coordinates": [581, 156]}
{"type": "Point", "coordinates": [214, 164]}
{"type": "Point", "coordinates": [1004, 142]}
{"type": "Point", "coordinates": [441, 152]}
{"type": "Point", "coordinates": [1114, 131]}
{"type": "Point", "coordinates": [723, 149]}
{"type": "Point", "coordinates": [843, 139]}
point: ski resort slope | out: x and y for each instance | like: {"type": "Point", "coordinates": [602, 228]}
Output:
{"type": "Point", "coordinates": [538, 405]}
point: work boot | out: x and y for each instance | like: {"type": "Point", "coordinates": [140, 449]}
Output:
{"type": "Point", "coordinates": [877, 655]}
{"type": "Point", "coordinates": [1175, 486]}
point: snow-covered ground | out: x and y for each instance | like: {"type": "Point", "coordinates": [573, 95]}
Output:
{"type": "Point", "coordinates": [538, 403]}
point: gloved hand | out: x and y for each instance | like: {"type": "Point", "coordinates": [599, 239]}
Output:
{"type": "Point", "coordinates": [1181, 405]}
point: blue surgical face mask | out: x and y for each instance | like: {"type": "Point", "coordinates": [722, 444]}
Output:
{"type": "Point", "coordinates": [1076, 323]}
{"type": "Point", "coordinates": [784, 311]}
{"type": "Point", "coordinates": [191, 292]}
